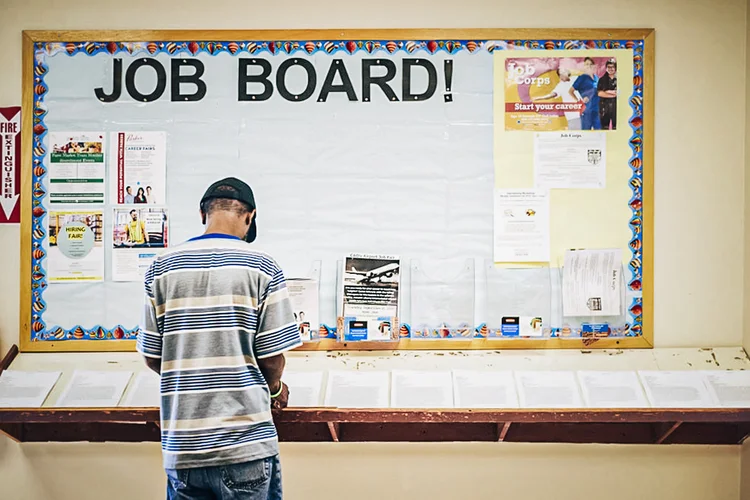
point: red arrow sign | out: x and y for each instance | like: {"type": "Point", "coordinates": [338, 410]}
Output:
{"type": "Point", "coordinates": [10, 152]}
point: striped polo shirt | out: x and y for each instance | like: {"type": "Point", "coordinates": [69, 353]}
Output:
{"type": "Point", "coordinates": [213, 308]}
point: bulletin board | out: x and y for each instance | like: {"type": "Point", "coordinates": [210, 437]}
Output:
{"type": "Point", "coordinates": [374, 141]}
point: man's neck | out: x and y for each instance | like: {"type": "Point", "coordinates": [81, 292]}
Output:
{"type": "Point", "coordinates": [220, 227]}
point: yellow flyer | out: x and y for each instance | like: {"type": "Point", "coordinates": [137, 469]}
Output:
{"type": "Point", "coordinates": [76, 247]}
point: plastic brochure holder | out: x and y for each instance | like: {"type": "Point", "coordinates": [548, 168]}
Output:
{"type": "Point", "coordinates": [519, 302]}
{"type": "Point", "coordinates": [352, 329]}
{"type": "Point", "coordinates": [313, 273]}
{"type": "Point", "coordinates": [442, 297]}
{"type": "Point", "coordinates": [591, 326]}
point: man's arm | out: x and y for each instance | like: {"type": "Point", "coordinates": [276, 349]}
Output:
{"type": "Point", "coordinates": [277, 333]}
{"type": "Point", "coordinates": [149, 342]}
{"type": "Point", "coordinates": [145, 233]}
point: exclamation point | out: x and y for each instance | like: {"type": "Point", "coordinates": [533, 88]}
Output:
{"type": "Point", "coordinates": [448, 69]}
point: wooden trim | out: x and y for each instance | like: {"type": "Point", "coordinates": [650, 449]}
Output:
{"type": "Point", "coordinates": [503, 430]}
{"type": "Point", "coordinates": [479, 344]}
{"type": "Point", "coordinates": [81, 346]}
{"type": "Point", "coordinates": [333, 428]}
{"type": "Point", "coordinates": [376, 416]}
{"type": "Point", "coordinates": [14, 432]}
{"type": "Point", "coordinates": [27, 124]}
{"type": "Point", "coordinates": [647, 259]}
{"type": "Point", "coordinates": [8, 358]}
{"type": "Point", "coordinates": [667, 432]}
{"type": "Point", "coordinates": [337, 34]}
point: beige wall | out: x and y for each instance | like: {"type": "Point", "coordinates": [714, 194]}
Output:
{"type": "Point", "coordinates": [699, 194]}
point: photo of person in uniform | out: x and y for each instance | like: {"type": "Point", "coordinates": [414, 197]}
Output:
{"type": "Point", "coordinates": [585, 85]}
{"type": "Point", "coordinates": [607, 91]}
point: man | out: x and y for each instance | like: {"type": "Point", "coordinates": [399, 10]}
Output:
{"type": "Point", "coordinates": [136, 229]}
{"type": "Point", "coordinates": [217, 322]}
{"type": "Point", "coordinates": [129, 198]}
{"type": "Point", "coordinates": [585, 85]}
{"type": "Point", "coordinates": [150, 196]}
{"type": "Point", "coordinates": [607, 91]}
{"type": "Point", "coordinates": [562, 91]}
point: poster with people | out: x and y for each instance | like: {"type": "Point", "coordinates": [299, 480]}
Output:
{"type": "Point", "coordinates": [138, 236]}
{"type": "Point", "coordinates": [560, 93]}
{"type": "Point", "coordinates": [76, 248]}
{"type": "Point", "coordinates": [139, 164]}
{"type": "Point", "coordinates": [304, 296]}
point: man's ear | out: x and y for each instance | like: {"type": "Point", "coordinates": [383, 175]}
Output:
{"type": "Point", "coordinates": [203, 217]}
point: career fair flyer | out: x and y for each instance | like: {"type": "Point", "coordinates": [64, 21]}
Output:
{"type": "Point", "coordinates": [304, 296]}
{"type": "Point", "coordinates": [139, 234]}
{"type": "Point", "coordinates": [76, 168]}
{"type": "Point", "coordinates": [370, 296]}
{"type": "Point", "coordinates": [547, 94]}
{"type": "Point", "coordinates": [76, 248]}
{"type": "Point", "coordinates": [139, 167]}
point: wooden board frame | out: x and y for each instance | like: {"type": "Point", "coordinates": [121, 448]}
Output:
{"type": "Point", "coordinates": [645, 340]}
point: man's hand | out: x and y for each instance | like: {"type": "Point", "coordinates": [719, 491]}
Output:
{"type": "Point", "coordinates": [282, 400]}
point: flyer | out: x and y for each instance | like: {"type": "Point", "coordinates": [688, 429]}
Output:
{"type": "Point", "coordinates": [560, 93]}
{"type": "Point", "coordinates": [76, 248]}
{"type": "Point", "coordinates": [139, 234]}
{"type": "Point", "coordinates": [139, 166]}
{"type": "Point", "coordinates": [522, 225]}
{"type": "Point", "coordinates": [370, 297]}
{"type": "Point", "coordinates": [304, 295]}
{"type": "Point", "coordinates": [76, 168]}
{"type": "Point", "coordinates": [570, 160]}
{"type": "Point", "coordinates": [592, 283]}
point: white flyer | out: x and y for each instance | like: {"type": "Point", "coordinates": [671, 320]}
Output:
{"type": "Point", "coordinates": [76, 247]}
{"type": "Point", "coordinates": [484, 389]}
{"type": "Point", "coordinates": [615, 389]}
{"type": "Point", "coordinates": [358, 389]}
{"type": "Point", "coordinates": [305, 388]}
{"type": "Point", "coordinates": [20, 389]}
{"type": "Point", "coordinates": [304, 296]}
{"type": "Point", "coordinates": [94, 389]}
{"type": "Point", "coordinates": [370, 294]}
{"type": "Point", "coordinates": [421, 389]}
{"type": "Point", "coordinates": [730, 389]}
{"type": "Point", "coordinates": [522, 225]}
{"type": "Point", "coordinates": [570, 160]}
{"type": "Point", "coordinates": [676, 389]}
{"type": "Point", "coordinates": [139, 234]}
{"type": "Point", "coordinates": [76, 167]}
{"type": "Point", "coordinates": [548, 389]}
{"type": "Point", "coordinates": [145, 391]}
{"type": "Point", "coordinates": [139, 167]}
{"type": "Point", "coordinates": [592, 283]}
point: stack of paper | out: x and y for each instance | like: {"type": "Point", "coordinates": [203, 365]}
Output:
{"type": "Point", "coordinates": [145, 391]}
{"type": "Point", "coordinates": [305, 388]}
{"type": "Point", "coordinates": [422, 389]}
{"type": "Point", "coordinates": [548, 389]}
{"type": "Point", "coordinates": [676, 389]}
{"type": "Point", "coordinates": [618, 389]}
{"type": "Point", "coordinates": [729, 389]}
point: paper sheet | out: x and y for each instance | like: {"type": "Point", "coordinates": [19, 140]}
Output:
{"type": "Point", "coordinates": [522, 225]}
{"type": "Point", "coordinates": [305, 388]}
{"type": "Point", "coordinates": [25, 389]}
{"type": "Point", "coordinates": [421, 389]}
{"type": "Point", "coordinates": [570, 160]}
{"type": "Point", "coordinates": [548, 389]}
{"type": "Point", "coordinates": [304, 295]}
{"type": "Point", "coordinates": [484, 389]}
{"type": "Point", "coordinates": [139, 167]}
{"type": "Point", "coordinates": [730, 389]}
{"type": "Point", "coordinates": [76, 246]}
{"type": "Point", "coordinates": [358, 389]}
{"type": "Point", "coordinates": [138, 236]}
{"type": "Point", "coordinates": [94, 389]}
{"type": "Point", "coordinates": [676, 389]}
{"type": "Point", "coordinates": [76, 167]}
{"type": "Point", "coordinates": [592, 281]}
{"type": "Point", "coordinates": [145, 391]}
{"type": "Point", "coordinates": [616, 389]}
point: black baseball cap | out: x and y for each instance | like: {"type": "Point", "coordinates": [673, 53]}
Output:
{"type": "Point", "coordinates": [238, 191]}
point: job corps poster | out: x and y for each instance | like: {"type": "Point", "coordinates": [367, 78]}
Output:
{"type": "Point", "coordinates": [560, 93]}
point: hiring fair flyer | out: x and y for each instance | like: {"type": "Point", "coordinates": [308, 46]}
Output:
{"type": "Point", "coordinates": [76, 248]}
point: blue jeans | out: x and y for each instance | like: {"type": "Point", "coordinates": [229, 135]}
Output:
{"type": "Point", "coordinates": [590, 120]}
{"type": "Point", "coordinates": [257, 480]}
